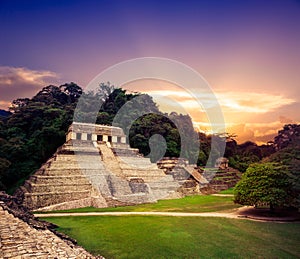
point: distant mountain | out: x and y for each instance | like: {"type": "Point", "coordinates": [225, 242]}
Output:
{"type": "Point", "coordinates": [4, 114]}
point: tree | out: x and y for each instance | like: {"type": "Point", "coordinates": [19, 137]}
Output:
{"type": "Point", "coordinates": [288, 136]}
{"type": "Point", "coordinates": [35, 129]}
{"type": "Point", "coordinates": [150, 124]}
{"type": "Point", "coordinates": [266, 183]}
{"type": "Point", "coordinates": [242, 155]}
{"type": "Point", "coordinates": [4, 165]}
{"type": "Point", "coordinates": [290, 157]}
{"type": "Point", "coordinates": [202, 159]}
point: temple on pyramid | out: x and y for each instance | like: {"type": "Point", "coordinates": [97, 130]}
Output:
{"type": "Point", "coordinates": [96, 167]}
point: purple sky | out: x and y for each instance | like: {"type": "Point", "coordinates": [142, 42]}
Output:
{"type": "Point", "coordinates": [248, 51]}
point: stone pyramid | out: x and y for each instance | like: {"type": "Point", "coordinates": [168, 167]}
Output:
{"type": "Point", "coordinates": [95, 167]}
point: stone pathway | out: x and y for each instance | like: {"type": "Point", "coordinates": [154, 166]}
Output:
{"type": "Point", "coordinates": [222, 195]}
{"type": "Point", "coordinates": [245, 212]}
{"type": "Point", "coordinates": [20, 240]}
{"type": "Point", "coordinates": [149, 213]}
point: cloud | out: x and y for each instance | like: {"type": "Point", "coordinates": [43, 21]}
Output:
{"type": "Point", "coordinates": [237, 102]}
{"type": "Point", "coordinates": [234, 104]}
{"type": "Point", "coordinates": [286, 120]}
{"type": "Point", "coordinates": [257, 132]}
{"type": "Point", "coordinates": [20, 82]}
{"type": "Point", "coordinates": [237, 108]}
{"type": "Point", "coordinates": [251, 102]}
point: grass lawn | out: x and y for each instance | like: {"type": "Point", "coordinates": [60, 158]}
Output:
{"type": "Point", "coordinates": [197, 203]}
{"type": "Point", "coordinates": [228, 191]}
{"type": "Point", "coordinates": [181, 237]}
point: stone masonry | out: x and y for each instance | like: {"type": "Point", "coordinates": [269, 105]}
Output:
{"type": "Point", "coordinates": [96, 167]}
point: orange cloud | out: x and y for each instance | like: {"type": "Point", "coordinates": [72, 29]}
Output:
{"type": "Point", "coordinates": [256, 132]}
{"type": "Point", "coordinates": [285, 120]}
{"type": "Point", "coordinates": [247, 114]}
{"type": "Point", "coordinates": [251, 102]}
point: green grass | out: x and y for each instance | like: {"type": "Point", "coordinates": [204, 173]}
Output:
{"type": "Point", "coordinates": [197, 203]}
{"type": "Point", "coordinates": [181, 237]}
{"type": "Point", "coordinates": [228, 191]}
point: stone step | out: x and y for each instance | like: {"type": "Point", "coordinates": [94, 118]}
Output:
{"type": "Point", "coordinates": [61, 179]}
{"type": "Point", "coordinates": [164, 185]}
{"type": "Point", "coordinates": [118, 186]}
{"type": "Point", "coordinates": [82, 149]}
{"type": "Point", "coordinates": [99, 184]}
{"type": "Point", "coordinates": [222, 183]}
{"type": "Point", "coordinates": [127, 152]}
{"type": "Point", "coordinates": [225, 178]}
{"type": "Point", "coordinates": [145, 170]}
{"type": "Point", "coordinates": [38, 200]}
{"type": "Point", "coordinates": [76, 158]}
{"type": "Point", "coordinates": [136, 161]}
{"type": "Point", "coordinates": [228, 174]}
{"type": "Point", "coordinates": [137, 172]}
{"type": "Point", "coordinates": [42, 188]}
{"type": "Point", "coordinates": [137, 198]}
{"type": "Point", "coordinates": [161, 194]}
{"type": "Point", "coordinates": [94, 201]}
{"type": "Point", "coordinates": [166, 182]}
{"type": "Point", "coordinates": [70, 172]}
{"type": "Point", "coordinates": [70, 165]}
{"type": "Point", "coordinates": [142, 171]}
{"type": "Point", "coordinates": [209, 175]}
{"type": "Point", "coordinates": [219, 187]}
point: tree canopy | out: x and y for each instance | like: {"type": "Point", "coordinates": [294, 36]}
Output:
{"type": "Point", "coordinates": [34, 130]}
{"type": "Point", "coordinates": [290, 158]}
{"type": "Point", "coordinates": [35, 127]}
{"type": "Point", "coordinates": [265, 183]}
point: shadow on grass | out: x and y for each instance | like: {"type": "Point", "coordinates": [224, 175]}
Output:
{"type": "Point", "coordinates": [267, 214]}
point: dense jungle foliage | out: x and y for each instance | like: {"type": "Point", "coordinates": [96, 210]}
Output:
{"type": "Point", "coordinates": [35, 127]}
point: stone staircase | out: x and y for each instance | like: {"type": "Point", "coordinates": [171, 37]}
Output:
{"type": "Point", "coordinates": [147, 182]}
{"type": "Point", "coordinates": [186, 175]}
{"type": "Point", "coordinates": [64, 178]}
{"type": "Point", "coordinates": [222, 179]}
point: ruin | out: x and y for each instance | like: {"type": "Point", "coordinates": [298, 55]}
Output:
{"type": "Point", "coordinates": [96, 167]}
{"type": "Point", "coordinates": [222, 163]}
{"type": "Point", "coordinates": [23, 236]}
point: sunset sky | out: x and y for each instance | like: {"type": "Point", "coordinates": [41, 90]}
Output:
{"type": "Point", "coordinates": [247, 51]}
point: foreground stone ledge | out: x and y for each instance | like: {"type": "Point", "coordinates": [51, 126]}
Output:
{"type": "Point", "coordinates": [23, 236]}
